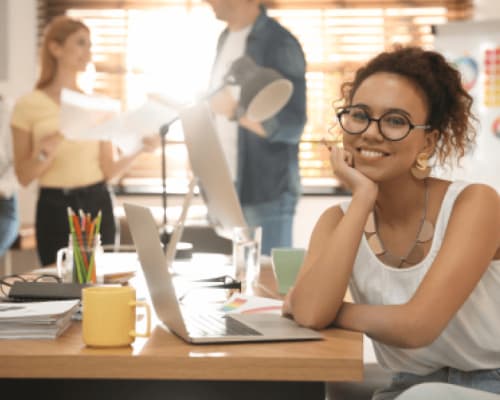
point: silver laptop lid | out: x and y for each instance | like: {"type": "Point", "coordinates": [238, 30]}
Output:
{"type": "Point", "coordinates": [155, 265]}
{"type": "Point", "coordinates": [159, 281]}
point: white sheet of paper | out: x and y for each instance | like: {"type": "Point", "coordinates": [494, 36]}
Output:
{"type": "Point", "coordinates": [37, 311]}
{"type": "Point", "coordinates": [85, 117]}
{"type": "Point", "coordinates": [81, 115]}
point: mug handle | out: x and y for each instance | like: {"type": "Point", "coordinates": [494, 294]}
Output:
{"type": "Point", "coordinates": [148, 318]}
{"type": "Point", "coordinates": [59, 261]}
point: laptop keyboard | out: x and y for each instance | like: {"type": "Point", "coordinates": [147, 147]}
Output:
{"type": "Point", "coordinates": [216, 325]}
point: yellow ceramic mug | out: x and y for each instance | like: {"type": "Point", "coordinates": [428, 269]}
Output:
{"type": "Point", "coordinates": [109, 315]}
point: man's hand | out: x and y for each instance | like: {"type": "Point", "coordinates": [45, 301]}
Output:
{"type": "Point", "coordinates": [224, 103]}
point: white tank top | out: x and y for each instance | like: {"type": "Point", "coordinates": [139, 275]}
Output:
{"type": "Point", "coordinates": [471, 339]}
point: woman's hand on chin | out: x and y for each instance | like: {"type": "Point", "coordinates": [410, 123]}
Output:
{"type": "Point", "coordinates": [342, 162]}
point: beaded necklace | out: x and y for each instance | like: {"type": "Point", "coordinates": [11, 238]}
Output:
{"type": "Point", "coordinates": [416, 252]}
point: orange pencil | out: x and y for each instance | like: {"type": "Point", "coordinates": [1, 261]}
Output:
{"type": "Point", "coordinates": [78, 231]}
{"type": "Point", "coordinates": [91, 232]}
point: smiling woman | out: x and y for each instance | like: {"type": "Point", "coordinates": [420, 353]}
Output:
{"type": "Point", "coordinates": [419, 280]}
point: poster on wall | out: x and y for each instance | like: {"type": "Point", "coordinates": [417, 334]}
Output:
{"type": "Point", "coordinates": [474, 48]}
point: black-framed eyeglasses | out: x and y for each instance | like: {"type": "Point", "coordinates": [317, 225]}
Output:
{"type": "Point", "coordinates": [219, 282]}
{"type": "Point", "coordinates": [392, 125]}
{"type": "Point", "coordinates": [7, 281]}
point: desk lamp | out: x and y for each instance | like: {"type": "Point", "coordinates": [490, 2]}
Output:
{"type": "Point", "coordinates": [264, 92]}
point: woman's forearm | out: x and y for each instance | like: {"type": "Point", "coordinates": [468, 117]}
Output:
{"type": "Point", "coordinates": [30, 169]}
{"type": "Point", "coordinates": [394, 325]}
{"type": "Point", "coordinates": [320, 289]}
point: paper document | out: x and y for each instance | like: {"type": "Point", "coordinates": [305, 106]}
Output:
{"type": "Point", "coordinates": [85, 117]}
{"type": "Point", "coordinates": [82, 115]}
{"type": "Point", "coordinates": [36, 311]}
{"type": "Point", "coordinates": [243, 304]}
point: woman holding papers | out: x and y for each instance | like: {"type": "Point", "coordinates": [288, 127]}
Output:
{"type": "Point", "coordinates": [69, 173]}
{"type": "Point", "coordinates": [420, 255]}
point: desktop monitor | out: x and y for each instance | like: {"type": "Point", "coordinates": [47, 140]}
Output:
{"type": "Point", "coordinates": [209, 166]}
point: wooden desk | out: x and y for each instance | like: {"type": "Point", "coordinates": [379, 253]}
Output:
{"type": "Point", "coordinates": [168, 368]}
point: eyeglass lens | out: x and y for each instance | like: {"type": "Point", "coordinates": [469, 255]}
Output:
{"type": "Point", "coordinates": [392, 125]}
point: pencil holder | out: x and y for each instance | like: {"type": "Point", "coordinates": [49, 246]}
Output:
{"type": "Point", "coordinates": [86, 260]}
{"type": "Point", "coordinates": [85, 240]}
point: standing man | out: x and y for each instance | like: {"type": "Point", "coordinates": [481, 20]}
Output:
{"type": "Point", "coordinates": [262, 157]}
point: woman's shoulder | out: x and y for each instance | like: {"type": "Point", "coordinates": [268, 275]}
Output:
{"type": "Point", "coordinates": [477, 192]}
{"type": "Point", "coordinates": [461, 189]}
{"type": "Point", "coordinates": [332, 214]}
{"type": "Point", "coordinates": [27, 108]}
{"type": "Point", "coordinates": [27, 101]}
{"type": "Point", "coordinates": [33, 98]}
{"type": "Point", "coordinates": [473, 198]}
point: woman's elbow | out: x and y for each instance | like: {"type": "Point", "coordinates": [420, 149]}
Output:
{"type": "Point", "coordinates": [417, 335]}
{"type": "Point", "coordinates": [311, 318]}
{"type": "Point", "coordinates": [311, 322]}
{"type": "Point", "coordinates": [108, 172]}
{"type": "Point", "coordinates": [24, 179]}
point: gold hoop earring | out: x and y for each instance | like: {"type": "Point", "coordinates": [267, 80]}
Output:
{"type": "Point", "coordinates": [421, 169]}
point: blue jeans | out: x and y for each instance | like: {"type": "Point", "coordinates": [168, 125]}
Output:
{"type": "Point", "coordinates": [9, 223]}
{"type": "Point", "coordinates": [276, 219]}
{"type": "Point", "coordinates": [487, 380]}
{"type": "Point", "coordinates": [445, 391]}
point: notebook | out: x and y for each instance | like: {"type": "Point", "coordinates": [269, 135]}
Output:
{"type": "Point", "coordinates": [190, 324]}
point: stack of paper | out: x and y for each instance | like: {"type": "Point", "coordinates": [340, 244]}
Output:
{"type": "Point", "coordinates": [37, 320]}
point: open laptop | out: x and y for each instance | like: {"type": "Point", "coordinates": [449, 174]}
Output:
{"type": "Point", "coordinates": [191, 325]}
{"type": "Point", "coordinates": [209, 166]}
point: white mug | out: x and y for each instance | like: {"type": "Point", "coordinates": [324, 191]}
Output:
{"type": "Point", "coordinates": [64, 262]}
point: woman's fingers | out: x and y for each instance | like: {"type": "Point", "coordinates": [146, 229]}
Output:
{"type": "Point", "coordinates": [340, 158]}
{"type": "Point", "coordinates": [348, 158]}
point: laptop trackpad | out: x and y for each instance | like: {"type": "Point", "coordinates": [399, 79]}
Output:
{"type": "Point", "coordinates": [275, 325]}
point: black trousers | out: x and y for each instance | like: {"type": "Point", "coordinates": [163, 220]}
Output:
{"type": "Point", "coordinates": [52, 227]}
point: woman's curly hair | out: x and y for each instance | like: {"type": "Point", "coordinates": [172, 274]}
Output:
{"type": "Point", "coordinates": [449, 104]}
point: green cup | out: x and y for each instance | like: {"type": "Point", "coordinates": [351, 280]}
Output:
{"type": "Point", "coordinates": [286, 263]}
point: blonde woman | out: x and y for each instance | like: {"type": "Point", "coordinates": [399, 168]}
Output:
{"type": "Point", "coordinates": [69, 173]}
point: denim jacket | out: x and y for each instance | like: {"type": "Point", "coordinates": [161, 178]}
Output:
{"type": "Point", "coordinates": [269, 167]}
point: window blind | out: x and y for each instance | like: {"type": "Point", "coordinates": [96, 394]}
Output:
{"type": "Point", "coordinates": [137, 44]}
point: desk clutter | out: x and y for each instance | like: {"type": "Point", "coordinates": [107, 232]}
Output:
{"type": "Point", "coordinates": [36, 320]}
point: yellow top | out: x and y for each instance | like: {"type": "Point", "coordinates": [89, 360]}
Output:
{"type": "Point", "coordinates": [76, 163]}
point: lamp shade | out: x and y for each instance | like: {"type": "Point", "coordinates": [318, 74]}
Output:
{"type": "Point", "coordinates": [264, 91]}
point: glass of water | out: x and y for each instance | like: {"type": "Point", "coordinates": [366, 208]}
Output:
{"type": "Point", "coordinates": [246, 255]}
